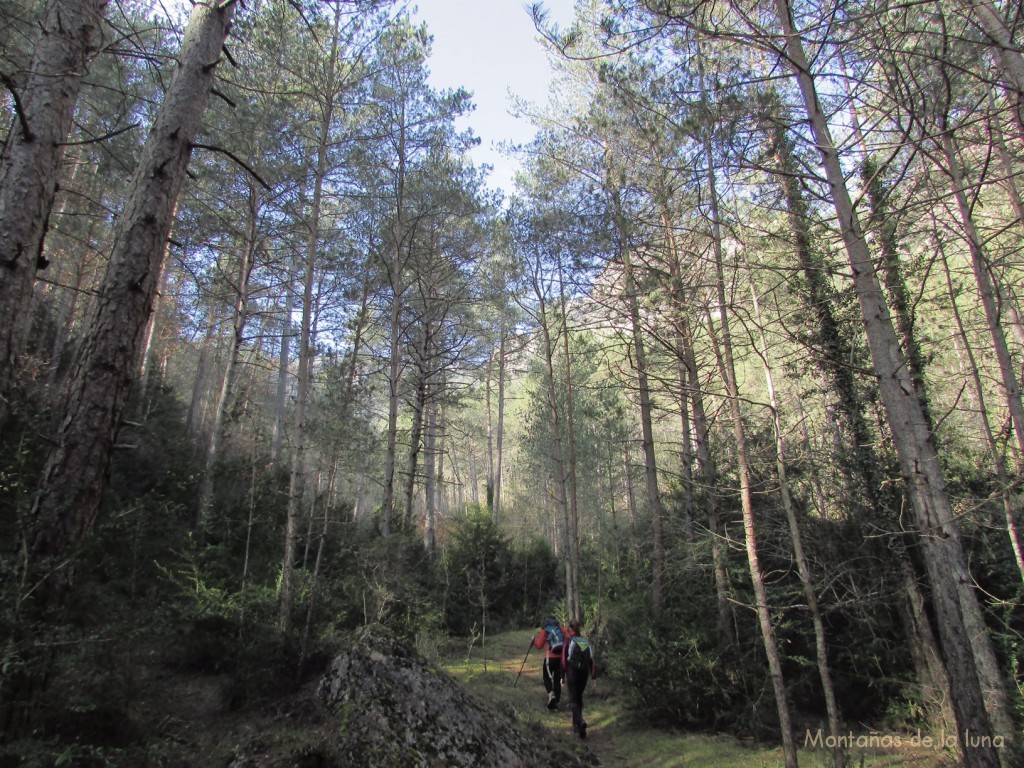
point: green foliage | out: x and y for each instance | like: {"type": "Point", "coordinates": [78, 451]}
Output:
{"type": "Point", "coordinates": [676, 671]}
{"type": "Point", "coordinates": [489, 580]}
{"type": "Point", "coordinates": [385, 581]}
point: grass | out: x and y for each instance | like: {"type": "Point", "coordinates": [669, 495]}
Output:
{"type": "Point", "coordinates": [491, 669]}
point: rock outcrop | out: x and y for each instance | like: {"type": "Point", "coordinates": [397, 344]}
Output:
{"type": "Point", "coordinates": [395, 709]}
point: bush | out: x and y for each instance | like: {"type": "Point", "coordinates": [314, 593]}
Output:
{"type": "Point", "coordinates": [487, 579]}
{"type": "Point", "coordinates": [676, 672]}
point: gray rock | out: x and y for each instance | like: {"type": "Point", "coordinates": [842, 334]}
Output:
{"type": "Point", "coordinates": [395, 709]}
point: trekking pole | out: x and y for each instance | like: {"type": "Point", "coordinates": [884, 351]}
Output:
{"type": "Point", "coordinates": [528, 649]}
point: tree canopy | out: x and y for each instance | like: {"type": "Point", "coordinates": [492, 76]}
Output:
{"type": "Point", "coordinates": [739, 359]}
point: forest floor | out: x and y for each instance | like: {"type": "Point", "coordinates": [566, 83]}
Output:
{"type": "Point", "coordinates": [614, 738]}
{"type": "Point", "coordinates": [185, 719]}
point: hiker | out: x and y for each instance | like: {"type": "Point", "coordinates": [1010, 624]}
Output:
{"type": "Point", "coordinates": [577, 664]}
{"type": "Point", "coordinates": [551, 637]}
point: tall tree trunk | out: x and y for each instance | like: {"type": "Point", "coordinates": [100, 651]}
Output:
{"type": "Point", "coordinates": [240, 317]}
{"type": "Point", "coordinates": [490, 434]}
{"type": "Point", "coordinates": [831, 344]}
{"type": "Point", "coordinates": [500, 436]}
{"type": "Point", "coordinates": [284, 358]}
{"type": "Point", "coordinates": [929, 667]}
{"type": "Point", "coordinates": [646, 423]}
{"type": "Point", "coordinates": [194, 417]}
{"type": "Point", "coordinates": [707, 482]}
{"type": "Point", "coordinates": [430, 473]}
{"type": "Point", "coordinates": [833, 349]}
{"type": "Point", "coordinates": [65, 508]}
{"type": "Point", "coordinates": [1006, 486]}
{"type": "Point", "coordinates": [322, 540]}
{"type": "Point", "coordinates": [443, 505]}
{"type": "Point", "coordinates": [881, 222]}
{"type": "Point", "coordinates": [802, 563]}
{"type": "Point", "coordinates": [936, 525]}
{"type": "Point", "coordinates": [996, 698]}
{"type": "Point", "coordinates": [415, 443]}
{"type": "Point", "coordinates": [986, 289]}
{"type": "Point", "coordinates": [1009, 180]}
{"type": "Point", "coordinates": [297, 473]}
{"type": "Point", "coordinates": [571, 485]}
{"type": "Point", "coordinates": [145, 364]}
{"type": "Point", "coordinates": [728, 372]}
{"type": "Point", "coordinates": [395, 276]}
{"type": "Point", "coordinates": [572, 597]}
{"type": "Point", "coordinates": [31, 159]}
{"type": "Point", "coordinates": [995, 28]}
{"type": "Point", "coordinates": [307, 351]}
{"type": "Point", "coordinates": [394, 383]}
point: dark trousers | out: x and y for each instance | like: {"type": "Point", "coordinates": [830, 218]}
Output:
{"type": "Point", "coordinates": [553, 676]}
{"type": "Point", "coordinates": [576, 682]}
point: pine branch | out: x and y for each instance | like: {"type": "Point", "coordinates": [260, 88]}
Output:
{"type": "Point", "coordinates": [238, 160]}
{"type": "Point", "coordinates": [18, 108]}
{"type": "Point", "coordinates": [98, 139]}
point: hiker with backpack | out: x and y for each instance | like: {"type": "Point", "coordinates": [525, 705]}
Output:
{"type": "Point", "coordinates": [551, 637]}
{"type": "Point", "coordinates": [577, 665]}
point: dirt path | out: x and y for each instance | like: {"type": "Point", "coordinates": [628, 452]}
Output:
{"type": "Point", "coordinates": [493, 672]}
{"type": "Point", "coordinates": [614, 740]}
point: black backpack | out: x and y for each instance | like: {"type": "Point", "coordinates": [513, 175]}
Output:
{"type": "Point", "coordinates": [579, 656]}
{"type": "Point", "coordinates": [555, 637]}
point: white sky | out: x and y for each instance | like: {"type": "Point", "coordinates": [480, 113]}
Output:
{"type": "Point", "coordinates": [490, 47]}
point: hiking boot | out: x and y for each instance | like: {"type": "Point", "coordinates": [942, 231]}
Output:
{"type": "Point", "coordinates": [583, 730]}
{"type": "Point", "coordinates": [552, 701]}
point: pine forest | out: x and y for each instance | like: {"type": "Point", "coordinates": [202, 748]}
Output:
{"type": "Point", "coordinates": [732, 377]}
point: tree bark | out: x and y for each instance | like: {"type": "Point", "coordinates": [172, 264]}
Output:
{"type": "Point", "coordinates": [646, 424]}
{"type": "Point", "coordinates": [573, 520]}
{"type": "Point", "coordinates": [307, 351]}
{"type": "Point", "coordinates": [802, 563]}
{"type": "Point", "coordinates": [30, 163]}
{"type": "Point", "coordinates": [415, 440]}
{"type": "Point", "coordinates": [283, 360]}
{"type": "Point", "coordinates": [490, 435]}
{"type": "Point", "coordinates": [986, 289]}
{"type": "Point", "coordinates": [1002, 38]}
{"type": "Point", "coordinates": [936, 526]}
{"type": "Point", "coordinates": [225, 397]}
{"type": "Point", "coordinates": [500, 435]}
{"type": "Point", "coordinates": [572, 597]}
{"type": "Point", "coordinates": [145, 364]}
{"type": "Point", "coordinates": [395, 269]}
{"type": "Point", "coordinates": [1010, 514]}
{"type": "Point", "coordinates": [430, 473]}
{"type": "Point", "coordinates": [74, 476]}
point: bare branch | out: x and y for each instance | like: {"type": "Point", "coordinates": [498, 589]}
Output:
{"type": "Point", "coordinates": [25, 131]}
{"type": "Point", "coordinates": [98, 139]}
{"type": "Point", "coordinates": [224, 97]}
{"type": "Point", "coordinates": [238, 160]}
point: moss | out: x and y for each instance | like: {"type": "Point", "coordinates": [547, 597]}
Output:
{"type": "Point", "coordinates": [344, 714]}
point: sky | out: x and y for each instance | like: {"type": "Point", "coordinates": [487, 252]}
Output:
{"type": "Point", "coordinates": [490, 47]}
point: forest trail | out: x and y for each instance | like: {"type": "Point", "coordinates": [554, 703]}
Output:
{"type": "Point", "coordinates": [491, 670]}
{"type": "Point", "coordinates": [614, 740]}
